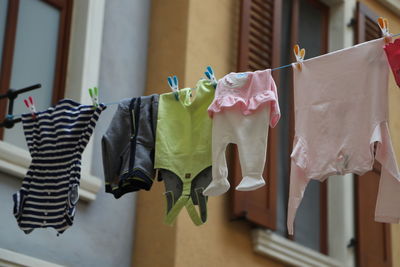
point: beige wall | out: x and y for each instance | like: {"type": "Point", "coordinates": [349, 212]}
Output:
{"type": "Point", "coordinates": [186, 36]}
{"type": "Point", "coordinates": [394, 112]}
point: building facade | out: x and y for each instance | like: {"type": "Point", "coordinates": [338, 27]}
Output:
{"type": "Point", "coordinates": [128, 48]}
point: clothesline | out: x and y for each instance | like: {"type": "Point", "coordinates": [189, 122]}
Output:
{"type": "Point", "coordinates": [289, 65]}
{"type": "Point", "coordinates": [274, 69]}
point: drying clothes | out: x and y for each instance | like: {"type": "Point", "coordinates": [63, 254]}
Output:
{"type": "Point", "coordinates": [341, 111]}
{"type": "Point", "coordinates": [56, 139]}
{"type": "Point", "coordinates": [243, 106]}
{"type": "Point", "coordinates": [186, 193]}
{"type": "Point", "coordinates": [393, 55]}
{"type": "Point", "coordinates": [183, 137]}
{"type": "Point", "coordinates": [247, 92]}
{"type": "Point", "coordinates": [128, 146]}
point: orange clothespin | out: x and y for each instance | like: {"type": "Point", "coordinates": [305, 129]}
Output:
{"type": "Point", "coordinates": [384, 26]}
{"type": "Point", "coordinates": [31, 106]}
{"type": "Point", "coordinates": [299, 55]}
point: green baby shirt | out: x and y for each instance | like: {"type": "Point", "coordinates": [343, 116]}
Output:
{"type": "Point", "coordinates": [183, 138]}
{"type": "Point", "coordinates": [183, 146]}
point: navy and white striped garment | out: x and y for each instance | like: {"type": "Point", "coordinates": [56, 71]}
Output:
{"type": "Point", "coordinates": [56, 140]}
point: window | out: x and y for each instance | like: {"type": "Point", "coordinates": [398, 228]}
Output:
{"type": "Point", "coordinates": [34, 38]}
{"type": "Point", "coordinates": [259, 48]}
{"type": "Point", "coordinates": [307, 22]}
{"type": "Point", "coordinates": [263, 24]}
{"type": "Point", "coordinates": [81, 72]}
{"type": "Point", "coordinates": [373, 238]}
{"type": "Point", "coordinates": [309, 28]}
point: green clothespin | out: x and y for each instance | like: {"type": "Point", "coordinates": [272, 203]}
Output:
{"type": "Point", "coordinates": [94, 95]}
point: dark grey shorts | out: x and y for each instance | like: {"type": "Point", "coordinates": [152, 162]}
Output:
{"type": "Point", "coordinates": [128, 146]}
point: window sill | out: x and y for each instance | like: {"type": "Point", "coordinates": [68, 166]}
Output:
{"type": "Point", "coordinates": [15, 161]}
{"type": "Point", "coordinates": [267, 243]}
{"type": "Point", "coordinates": [393, 5]}
{"type": "Point", "coordinates": [11, 258]}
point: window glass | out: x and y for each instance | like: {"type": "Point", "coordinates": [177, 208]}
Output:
{"type": "Point", "coordinates": [34, 58]}
{"type": "Point", "coordinates": [310, 34]}
{"type": "Point", "coordinates": [308, 219]}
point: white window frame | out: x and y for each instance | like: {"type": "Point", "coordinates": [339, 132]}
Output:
{"type": "Point", "coordinates": [82, 73]}
{"type": "Point", "coordinates": [10, 258]}
{"type": "Point", "coordinates": [341, 220]}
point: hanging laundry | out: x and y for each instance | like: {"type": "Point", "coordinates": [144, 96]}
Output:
{"type": "Point", "coordinates": [341, 110]}
{"type": "Point", "coordinates": [56, 139]}
{"type": "Point", "coordinates": [183, 149]}
{"type": "Point", "coordinates": [243, 105]}
{"type": "Point", "coordinates": [393, 55]}
{"type": "Point", "coordinates": [128, 146]}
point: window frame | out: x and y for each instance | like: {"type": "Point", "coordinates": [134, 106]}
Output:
{"type": "Point", "coordinates": [60, 71]}
{"type": "Point", "coordinates": [82, 72]}
{"type": "Point", "coordinates": [324, 49]}
{"type": "Point", "coordinates": [340, 191]}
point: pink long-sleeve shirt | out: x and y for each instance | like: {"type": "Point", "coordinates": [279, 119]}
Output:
{"type": "Point", "coordinates": [341, 110]}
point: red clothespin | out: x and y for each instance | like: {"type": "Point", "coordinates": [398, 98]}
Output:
{"type": "Point", "coordinates": [31, 106]}
{"type": "Point", "coordinates": [384, 26]}
{"type": "Point", "coordinates": [299, 54]}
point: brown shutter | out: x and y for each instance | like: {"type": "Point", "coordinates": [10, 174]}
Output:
{"type": "Point", "coordinates": [373, 239]}
{"type": "Point", "coordinates": [259, 43]}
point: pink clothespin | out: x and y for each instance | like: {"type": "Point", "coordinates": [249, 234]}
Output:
{"type": "Point", "coordinates": [299, 54]}
{"type": "Point", "coordinates": [384, 26]}
{"type": "Point", "coordinates": [31, 106]}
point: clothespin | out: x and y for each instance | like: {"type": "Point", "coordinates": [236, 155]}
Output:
{"type": "Point", "coordinates": [210, 76]}
{"type": "Point", "coordinates": [384, 26]}
{"type": "Point", "coordinates": [174, 84]}
{"type": "Point", "coordinates": [31, 106]}
{"type": "Point", "coordinates": [94, 95]}
{"type": "Point", "coordinates": [299, 55]}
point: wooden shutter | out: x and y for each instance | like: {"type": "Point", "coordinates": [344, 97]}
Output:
{"type": "Point", "coordinates": [373, 239]}
{"type": "Point", "coordinates": [259, 43]}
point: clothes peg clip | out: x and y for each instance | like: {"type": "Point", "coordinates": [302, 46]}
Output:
{"type": "Point", "coordinates": [31, 106]}
{"type": "Point", "coordinates": [174, 84]}
{"type": "Point", "coordinates": [384, 26]}
{"type": "Point", "coordinates": [211, 76]}
{"type": "Point", "coordinates": [299, 55]}
{"type": "Point", "coordinates": [94, 95]}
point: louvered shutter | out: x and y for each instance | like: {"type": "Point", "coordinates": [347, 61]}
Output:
{"type": "Point", "coordinates": [259, 43]}
{"type": "Point", "coordinates": [373, 239]}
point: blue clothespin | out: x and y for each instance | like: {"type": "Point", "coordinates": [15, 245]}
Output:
{"type": "Point", "coordinates": [174, 84]}
{"type": "Point", "coordinates": [94, 95]}
{"type": "Point", "coordinates": [210, 76]}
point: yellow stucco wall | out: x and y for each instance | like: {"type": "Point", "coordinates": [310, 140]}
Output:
{"type": "Point", "coordinates": [185, 37]}
{"type": "Point", "coordinates": [394, 112]}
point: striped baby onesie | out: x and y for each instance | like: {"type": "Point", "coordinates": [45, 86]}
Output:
{"type": "Point", "coordinates": [56, 139]}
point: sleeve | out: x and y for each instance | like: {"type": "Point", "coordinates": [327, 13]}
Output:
{"type": "Point", "coordinates": [275, 111]}
{"type": "Point", "coordinates": [388, 200]}
{"type": "Point", "coordinates": [113, 143]}
{"type": "Point", "coordinates": [298, 181]}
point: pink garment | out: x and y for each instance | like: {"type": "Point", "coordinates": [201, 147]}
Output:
{"type": "Point", "coordinates": [393, 55]}
{"type": "Point", "coordinates": [341, 110]}
{"type": "Point", "coordinates": [244, 104]}
{"type": "Point", "coordinates": [247, 91]}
